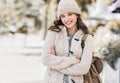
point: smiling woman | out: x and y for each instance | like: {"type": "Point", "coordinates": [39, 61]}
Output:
{"type": "Point", "coordinates": [62, 49]}
{"type": "Point", "coordinates": [69, 20]}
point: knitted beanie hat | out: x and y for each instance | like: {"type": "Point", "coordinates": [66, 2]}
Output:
{"type": "Point", "coordinates": [67, 6]}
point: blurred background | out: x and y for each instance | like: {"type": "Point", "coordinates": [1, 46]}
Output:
{"type": "Point", "coordinates": [23, 28]}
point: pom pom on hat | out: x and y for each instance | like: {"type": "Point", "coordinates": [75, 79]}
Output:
{"type": "Point", "coordinates": [67, 6]}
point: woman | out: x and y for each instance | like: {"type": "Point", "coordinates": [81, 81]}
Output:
{"type": "Point", "coordinates": [62, 50]}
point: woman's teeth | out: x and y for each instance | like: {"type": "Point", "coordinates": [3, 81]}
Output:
{"type": "Point", "coordinates": [68, 23]}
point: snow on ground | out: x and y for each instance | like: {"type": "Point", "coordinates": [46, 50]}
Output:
{"type": "Point", "coordinates": [19, 64]}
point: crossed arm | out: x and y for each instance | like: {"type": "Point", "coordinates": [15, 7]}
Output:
{"type": "Point", "coordinates": [68, 65]}
{"type": "Point", "coordinates": [53, 61]}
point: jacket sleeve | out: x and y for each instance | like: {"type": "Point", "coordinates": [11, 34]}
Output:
{"type": "Point", "coordinates": [52, 61]}
{"type": "Point", "coordinates": [85, 63]}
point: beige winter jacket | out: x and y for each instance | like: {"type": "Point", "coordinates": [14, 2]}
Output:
{"type": "Point", "coordinates": [61, 64]}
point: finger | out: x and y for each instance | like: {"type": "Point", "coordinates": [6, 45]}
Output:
{"type": "Point", "coordinates": [52, 50]}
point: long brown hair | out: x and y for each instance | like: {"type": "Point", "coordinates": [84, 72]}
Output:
{"type": "Point", "coordinates": [80, 25]}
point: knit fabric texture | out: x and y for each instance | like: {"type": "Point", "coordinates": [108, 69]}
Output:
{"type": "Point", "coordinates": [67, 6]}
{"type": "Point", "coordinates": [60, 64]}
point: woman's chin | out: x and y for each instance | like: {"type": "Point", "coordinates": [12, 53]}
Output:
{"type": "Point", "coordinates": [68, 26]}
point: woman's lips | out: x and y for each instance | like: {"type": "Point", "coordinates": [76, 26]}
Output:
{"type": "Point", "coordinates": [68, 23]}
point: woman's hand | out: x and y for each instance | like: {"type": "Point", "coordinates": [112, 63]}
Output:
{"type": "Point", "coordinates": [77, 60]}
{"type": "Point", "coordinates": [52, 50]}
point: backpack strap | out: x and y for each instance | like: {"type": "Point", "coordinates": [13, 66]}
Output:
{"type": "Point", "coordinates": [84, 37]}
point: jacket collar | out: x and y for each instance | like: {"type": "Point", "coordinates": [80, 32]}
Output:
{"type": "Point", "coordinates": [76, 35]}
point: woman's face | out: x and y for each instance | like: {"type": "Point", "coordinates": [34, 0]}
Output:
{"type": "Point", "coordinates": [69, 19]}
